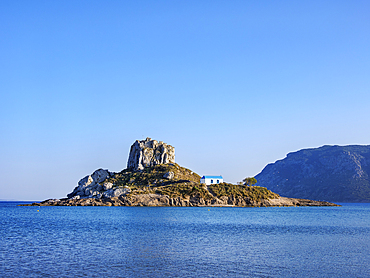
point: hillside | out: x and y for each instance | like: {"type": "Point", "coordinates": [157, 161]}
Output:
{"type": "Point", "coordinates": [331, 173]}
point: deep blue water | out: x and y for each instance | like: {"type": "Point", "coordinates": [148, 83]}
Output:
{"type": "Point", "coordinates": [184, 242]}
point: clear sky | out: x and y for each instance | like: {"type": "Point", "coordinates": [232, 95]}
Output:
{"type": "Point", "coordinates": [232, 85]}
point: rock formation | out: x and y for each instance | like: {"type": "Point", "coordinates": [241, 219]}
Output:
{"type": "Point", "coordinates": [148, 153]}
{"type": "Point", "coordinates": [89, 186]}
{"type": "Point", "coordinates": [92, 187]}
{"type": "Point", "coordinates": [333, 173]}
{"type": "Point", "coordinates": [143, 153]}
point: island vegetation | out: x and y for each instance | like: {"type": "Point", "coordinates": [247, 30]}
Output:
{"type": "Point", "coordinates": [173, 185]}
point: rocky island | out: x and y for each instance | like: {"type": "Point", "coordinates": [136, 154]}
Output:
{"type": "Point", "coordinates": [152, 178]}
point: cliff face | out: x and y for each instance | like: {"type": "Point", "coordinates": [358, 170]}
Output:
{"type": "Point", "coordinates": [332, 173]}
{"type": "Point", "coordinates": [148, 153]}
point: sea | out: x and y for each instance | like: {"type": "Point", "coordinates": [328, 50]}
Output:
{"type": "Point", "coordinates": [184, 241]}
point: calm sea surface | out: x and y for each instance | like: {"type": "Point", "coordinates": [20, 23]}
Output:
{"type": "Point", "coordinates": [184, 242]}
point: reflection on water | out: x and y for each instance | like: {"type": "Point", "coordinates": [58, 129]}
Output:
{"type": "Point", "coordinates": [184, 242]}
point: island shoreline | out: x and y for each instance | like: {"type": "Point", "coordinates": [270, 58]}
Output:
{"type": "Point", "coordinates": [157, 200]}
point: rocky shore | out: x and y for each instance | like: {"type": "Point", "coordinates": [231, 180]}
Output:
{"type": "Point", "coordinates": [158, 200]}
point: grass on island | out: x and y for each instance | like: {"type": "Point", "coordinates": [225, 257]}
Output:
{"type": "Point", "coordinates": [253, 192]}
{"type": "Point", "coordinates": [153, 176]}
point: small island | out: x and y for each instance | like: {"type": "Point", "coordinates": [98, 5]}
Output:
{"type": "Point", "coordinates": [152, 178]}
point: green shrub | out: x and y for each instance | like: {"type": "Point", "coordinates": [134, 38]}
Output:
{"type": "Point", "coordinates": [238, 190]}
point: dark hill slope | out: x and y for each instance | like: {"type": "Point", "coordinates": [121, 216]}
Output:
{"type": "Point", "coordinates": [331, 173]}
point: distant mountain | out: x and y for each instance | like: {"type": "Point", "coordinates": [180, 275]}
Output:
{"type": "Point", "coordinates": [330, 173]}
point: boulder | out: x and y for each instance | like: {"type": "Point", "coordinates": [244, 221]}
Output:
{"type": "Point", "coordinates": [107, 185]}
{"type": "Point", "coordinates": [116, 192]}
{"type": "Point", "coordinates": [89, 184]}
{"type": "Point", "coordinates": [96, 177]}
{"type": "Point", "coordinates": [169, 175]}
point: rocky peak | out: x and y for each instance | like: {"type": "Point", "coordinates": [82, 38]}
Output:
{"type": "Point", "coordinates": [148, 152]}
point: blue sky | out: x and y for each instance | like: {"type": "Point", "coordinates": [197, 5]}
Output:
{"type": "Point", "coordinates": [232, 85]}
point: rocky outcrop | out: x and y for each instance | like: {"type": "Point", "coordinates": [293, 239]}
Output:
{"type": "Point", "coordinates": [105, 184]}
{"type": "Point", "coordinates": [145, 153]}
{"type": "Point", "coordinates": [333, 173]}
{"type": "Point", "coordinates": [89, 186]}
{"type": "Point", "coordinates": [116, 192]}
{"type": "Point", "coordinates": [92, 186]}
{"type": "Point", "coordinates": [148, 153]}
{"type": "Point", "coordinates": [154, 200]}
{"type": "Point", "coordinates": [169, 175]}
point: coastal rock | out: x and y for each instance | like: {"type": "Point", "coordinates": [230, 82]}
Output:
{"type": "Point", "coordinates": [333, 173]}
{"type": "Point", "coordinates": [117, 192]}
{"type": "Point", "coordinates": [96, 177]}
{"type": "Point", "coordinates": [90, 184]}
{"type": "Point", "coordinates": [164, 200]}
{"type": "Point", "coordinates": [148, 153]}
